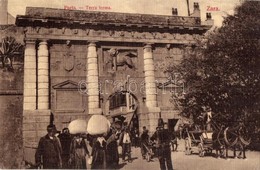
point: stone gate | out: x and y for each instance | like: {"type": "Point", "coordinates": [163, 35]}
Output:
{"type": "Point", "coordinates": [76, 62]}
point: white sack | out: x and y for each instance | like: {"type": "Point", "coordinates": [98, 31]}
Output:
{"type": "Point", "coordinates": [97, 125]}
{"type": "Point", "coordinates": [78, 126]}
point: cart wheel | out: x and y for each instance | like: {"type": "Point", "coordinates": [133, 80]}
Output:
{"type": "Point", "coordinates": [148, 157]}
{"type": "Point", "coordinates": [187, 147]}
{"type": "Point", "coordinates": [201, 150]}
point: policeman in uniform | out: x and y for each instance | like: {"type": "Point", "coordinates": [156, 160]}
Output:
{"type": "Point", "coordinates": [163, 139]}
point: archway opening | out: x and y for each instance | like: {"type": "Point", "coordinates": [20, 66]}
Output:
{"type": "Point", "coordinates": [123, 106]}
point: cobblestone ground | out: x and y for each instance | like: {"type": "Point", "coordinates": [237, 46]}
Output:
{"type": "Point", "coordinates": [194, 162]}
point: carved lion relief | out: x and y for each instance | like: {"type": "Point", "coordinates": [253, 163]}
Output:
{"type": "Point", "coordinates": [120, 59]}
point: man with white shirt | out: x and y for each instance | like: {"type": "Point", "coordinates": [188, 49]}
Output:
{"type": "Point", "coordinates": [126, 144]}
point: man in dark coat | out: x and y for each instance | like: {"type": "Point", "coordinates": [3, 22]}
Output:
{"type": "Point", "coordinates": [144, 139]}
{"type": "Point", "coordinates": [135, 136]}
{"type": "Point", "coordinates": [65, 140]}
{"type": "Point", "coordinates": [163, 139]}
{"type": "Point", "coordinates": [112, 148]}
{"type": "Point", "coordinates": [49, 150]}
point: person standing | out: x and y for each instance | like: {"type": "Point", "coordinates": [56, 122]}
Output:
{"type": "Point", "coordinates": [99, 152]}
{"type": "Point", "coordinates": [112, 148]}
{"type": "Point", "coordinates": [126, 144]}
{"type": "Point", "coordinates": [163, 140]}
{"type": "Point", "coordinates": [135, 135]}
{"type": "Point", "coordinates": [78, 152]}
{"type": "Point", "coordinates": [144, 138]}
{"type": "Point", "coordinates": [174, 141]}
{"type": "Point", "coordinates": [49, 150]}
{"type": "Point", "coordinates": [65, 140]}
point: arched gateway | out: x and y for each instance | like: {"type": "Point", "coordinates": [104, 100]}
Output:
{"type": "Point", "coordinates": [74, 61]}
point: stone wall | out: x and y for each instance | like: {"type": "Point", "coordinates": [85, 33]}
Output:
{"type": "Point", "coordinates": [11, 107]}
{"type": "Point", "coordinates": [11, 110]}
{"type": "Point", "coordinates": [11, 130]}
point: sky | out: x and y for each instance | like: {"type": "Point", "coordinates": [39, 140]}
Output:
{"type": "Point", "coordinates": [218, 8]}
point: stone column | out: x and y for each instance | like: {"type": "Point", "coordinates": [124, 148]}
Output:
{"type": "Point", "coordinates": [152, 112]}
{"type": "Point", "coordinates": [29, 95]}
{"type": "Point", "coordinates": [150, 85]}
{"type": "Point", "coordinates": [92, 80]}
{"type": "Point", "coordinates": [43, 76]}
{"type": "Point", "coordinates": [35, 121]}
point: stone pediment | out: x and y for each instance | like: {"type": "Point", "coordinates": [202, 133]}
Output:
{"type": "Point", "coordinates": [167, 85]}
{"type": "Point", "coordinates": [170, 83]}
{"type": "Point", "coordinates": [68, 84]}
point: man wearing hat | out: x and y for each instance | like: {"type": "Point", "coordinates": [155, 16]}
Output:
{"type": "Point", "coordinates": [49, 150]}
{"type": "Point", "coordinates": [163, 139]}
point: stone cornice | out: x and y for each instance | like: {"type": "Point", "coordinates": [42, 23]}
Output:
{"type": "Point", "coordinates": [48, 17]}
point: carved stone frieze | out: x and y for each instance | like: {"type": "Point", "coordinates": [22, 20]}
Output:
{"type": "Point", "coordinates": [98, 33]}
{"type": "Point", "coordinates": [132, 34]}
{"type": "Point", "coordinates": [196, 36]}
{"type": "Point", "coordinates": [87, 31]}
{"type": "Point", "coordinates": [75, 31]}
{"type": "Point", "coordinates": [121, 33]}
{"type": "Point", "coordinates": [37, 29]}
{"type": "Point", "coordinates": [63, 30]}
{"type": "Point", "coordinates": [111, 32]}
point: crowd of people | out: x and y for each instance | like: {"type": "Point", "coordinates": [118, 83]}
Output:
{"type": "Point", "coordinates": [76, 151]}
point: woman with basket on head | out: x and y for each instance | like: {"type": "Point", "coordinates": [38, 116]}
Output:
{"type": "Point", "coordinates": [78, 152]}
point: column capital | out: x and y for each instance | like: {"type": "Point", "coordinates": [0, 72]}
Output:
{"type": "Point", "coordinates": [43, 42]}
{"type": "Point", "coordinates": [30, 41]}
{"type": "Point", "coordinates": [148, 45]}
{"type": "Point", "coordinates": [92, 43]}
{"type": "Point", "coordinates": [30, 44]}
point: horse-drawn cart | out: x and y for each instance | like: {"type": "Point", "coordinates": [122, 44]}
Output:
{"type": "Point", "coordinates": [222, 139]}
{"type": "Point", "coordinates": [198, 141]}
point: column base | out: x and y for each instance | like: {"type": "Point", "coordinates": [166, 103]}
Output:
{"type": "Point", "coordinates": [149, 118]}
